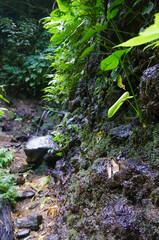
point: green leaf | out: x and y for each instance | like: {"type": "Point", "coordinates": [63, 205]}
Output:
{"type": "Point", "coordinates": [150, 34]}
{"type": "Point", "coordinates": [118, 104]}
{"type": "Point", "coordinates": [148, 9]}
{"type": "Point", "coordinates": [114, 9]}
{"type": "Point", "coordinates": [157, 19]}
{"type": "Point", "coordinates": [112, 61]}
{"type": "Point", "coordinates": [3, 98]}
{"type": "Point", "coordinates": [87, 51]}
{"type": "Point", "coordinates": [89, 34]}
{"type": "Point", "coordinates": [136, 3]}
{"type": "Point", "coordinates": [63, 5]}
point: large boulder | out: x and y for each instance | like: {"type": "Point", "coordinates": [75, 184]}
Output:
{"type": "Point", "coordinates": [37, 148]}
{"type": "Point", "coordinates": [149, 89]}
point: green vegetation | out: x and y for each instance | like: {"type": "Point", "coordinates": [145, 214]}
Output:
{"type": "Point", "coordinates": [7, 181]}
{"type": "Point", "coordinates": [80, 32]}
{"type": "Point", "coordinates": [23, 56]}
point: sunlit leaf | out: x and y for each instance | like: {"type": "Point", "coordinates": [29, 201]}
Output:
{"type": "Point", "coordinates": [112, 61]}
{"type": "Point", "coordinates": [150, 34]}
{"type": "Point", "coordinates": [63, 5]}
{"type": "Point", "coordinates": [118, 104]}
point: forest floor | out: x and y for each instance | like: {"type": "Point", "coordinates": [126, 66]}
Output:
{"type": "Point", "coordinates": [15, 125]}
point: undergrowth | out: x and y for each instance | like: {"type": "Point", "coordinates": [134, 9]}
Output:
{"type": "Point", "coordinates": [7, 180]}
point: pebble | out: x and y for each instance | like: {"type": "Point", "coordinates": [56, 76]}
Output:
{"type": "Point", "coordinates": [31, 222]}
{"type": "Point", "coordinates": [23, 233]}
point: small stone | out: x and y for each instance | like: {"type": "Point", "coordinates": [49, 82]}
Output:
{"type": "Point", "coordinates": [19, 179]}
{"type": "Point", "coordinates": [25, 194]}
{"type": "Point", "coordinates": [31, 222]}
{"type": "Point", "coordinates": [19, 168]}
{"type": "Point", "coordinates": [23, 234]}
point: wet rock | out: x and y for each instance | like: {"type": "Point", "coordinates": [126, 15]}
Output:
{"type": "Point", "coordinates": [31, 222]}
{"type": "Point", "coordinates": [136, 178]}
{"type": "Point", "coordinates": [119, 221]}
{"type": "Point", "coordinates": [22, 138]}
{"type": "Point", "coordinates": [55, 237]}
{"type": "Point", "coordinates": [149, 89]}
{"type": "Point", "coordinates": [6, 231]}
{"type": "Point", "coordinates": [74, 104]}
{"type": "Point", "coordinates": [16, 145]}
{"type": "Point", "coordinates": [23, 234]}
{"type": "Point", "coordinates": [121, 133]}
{"type": "Point", "coordinates": [99, 168]}
{"type": "Point", "coordinates": [21, 113]}
{"type": "Point", "coordinates": [19, 168]}
{"type": "Point", "coordinates": [38, 147]}
{"type": "Point", "coordinates": [25, 194]}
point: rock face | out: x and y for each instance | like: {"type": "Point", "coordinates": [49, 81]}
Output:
{"type": "Point", "coordinates": [6, 231]}
{"type": "Point", "coordinates": [38, 147]}
{"type": "Point", "coordinates": [149, 89]}
{"type": "Point", "coordinates": [121, 133]}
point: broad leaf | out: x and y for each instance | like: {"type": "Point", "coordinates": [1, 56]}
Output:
{"type": "Point", "coordinates": [148, 9]}
{"type": "Point", "coordinates": [118, 104]}
{"type": "Point", "coordinates": [87, 51]}
{"type": "Point", "coordinates": [63, 5]}
{"type": "Point", "coordinates": [150, 34]}
{"type": "Point", "coordinates": [112, 61]}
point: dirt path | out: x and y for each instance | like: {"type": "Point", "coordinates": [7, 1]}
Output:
{"type": "Point", "coordinates": [17, 122]}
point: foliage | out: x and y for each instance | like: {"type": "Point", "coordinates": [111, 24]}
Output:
{"type": "Point", "coordinates": [5, 157]}
{"type": "Point", "coordinates": [148, 35]}
{"type": "Point", "coordinates": [4, 99]}
{"type": "Point", "coordinates": [23, 61]}
{"type": "Point", "coordinates": [75, 27]}
{"type": "Point", "coordinates": [7, 186]}
{"type": "Point", "coordinates": [81, 32]}
{"type": "Point", "coordinates": [7, 182]}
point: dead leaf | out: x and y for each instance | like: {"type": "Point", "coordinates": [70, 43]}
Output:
{"type": "Point", "coordinates": [109, 170]}
{"type": "Point", "coordinates": [66, 179]}
{"type": "Point", "coordinates": [115, 166]}
{"type": "Point", "coordinates": [112, 167]}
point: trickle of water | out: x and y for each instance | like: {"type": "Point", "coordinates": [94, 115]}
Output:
{"type": "Point", "coordinates": [43, 117]}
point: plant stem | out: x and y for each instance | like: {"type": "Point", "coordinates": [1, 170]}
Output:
{"type": "Point", "coordinates": [132, 91]}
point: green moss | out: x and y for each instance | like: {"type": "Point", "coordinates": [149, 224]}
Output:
{"type": "Point", "coordinates": [72, 234]}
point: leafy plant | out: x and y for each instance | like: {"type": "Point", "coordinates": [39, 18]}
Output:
{"type": "Point", "coordinates": [5, 157]}
{"type": "Point", "coordinates": [7, 181]}
{"type": "Point", "coordinates": [148, 35]}
{"type": "Point", "coordinates": [7, 186]}
{"type": "Point", "coordinates": [75, 27]}
{"type": "Point", "coordinates": [23, 57]}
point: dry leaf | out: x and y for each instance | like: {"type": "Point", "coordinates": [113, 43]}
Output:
{"type": "Point", "coordinates": [115, 166]}
{"type": "Point", "coordinates": [66, 179]}
{"type": "Point", "coordinates": [112, 167]}
{"type": "Point", "coordinates": [109, 170]}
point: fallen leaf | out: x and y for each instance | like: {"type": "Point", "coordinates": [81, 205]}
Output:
{"type": "Point", "coordinates": [115, 166]}
{"type": "Point", "coordinates": [109, 170]}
